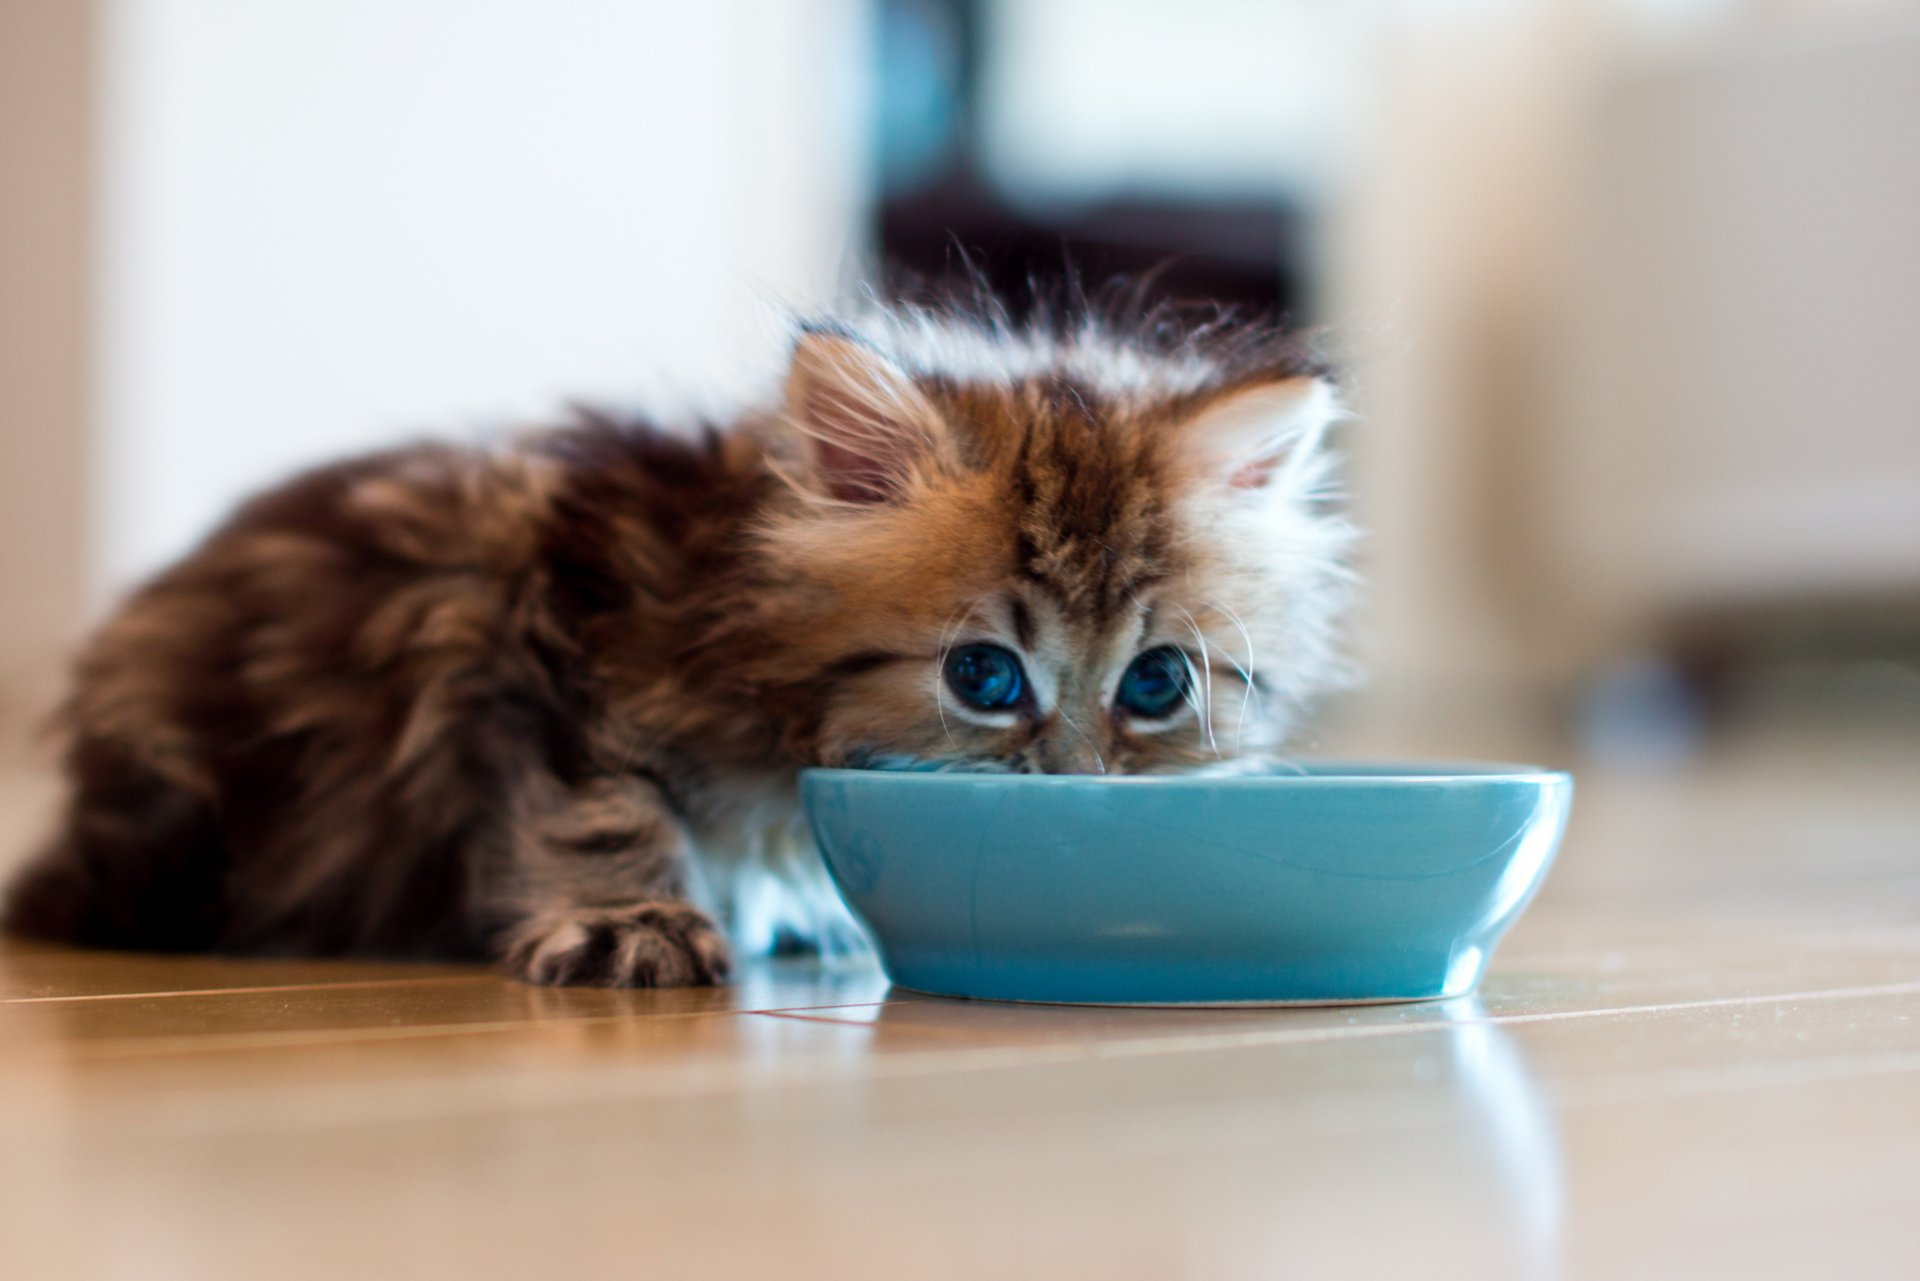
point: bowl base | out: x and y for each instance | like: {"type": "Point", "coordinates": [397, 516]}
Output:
{"type": "Point", "coordinates": [1280, 1003]}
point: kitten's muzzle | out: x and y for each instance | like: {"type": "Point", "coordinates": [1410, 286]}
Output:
{"type": "Point", "coordinates": [1062, 749]}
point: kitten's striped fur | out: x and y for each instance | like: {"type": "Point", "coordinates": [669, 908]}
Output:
{"type": "Point", "coordinates": [532, 701]}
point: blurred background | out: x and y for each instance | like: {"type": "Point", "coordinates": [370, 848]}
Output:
{"type": "Point", "coordinates": [1626, 291]}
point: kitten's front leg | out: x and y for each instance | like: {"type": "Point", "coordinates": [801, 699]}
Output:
{"type": "Point", "coordinates": [594, 891]}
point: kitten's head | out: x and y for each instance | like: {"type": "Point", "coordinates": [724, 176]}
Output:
{"type": "Point", "coordinates": [1058, 548]}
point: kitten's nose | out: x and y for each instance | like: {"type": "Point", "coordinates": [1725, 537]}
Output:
{"type": "Point", "coordinates": [1065, 750]}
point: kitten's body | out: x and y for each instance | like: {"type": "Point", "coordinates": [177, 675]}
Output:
{"type": "Point", "coordinates": [507, 702]}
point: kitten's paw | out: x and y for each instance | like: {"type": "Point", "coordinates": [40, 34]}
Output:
{"type": "Point", "coordinates": [642, 945]}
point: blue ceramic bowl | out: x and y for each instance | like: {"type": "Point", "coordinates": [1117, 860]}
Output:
{"type": "Point", "coordinates": [1344, 883]}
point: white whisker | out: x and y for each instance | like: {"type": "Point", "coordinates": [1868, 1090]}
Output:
{"type": "Point", "coordinates": [1246, 673]}
{"type": "Point", "coordinates": [1098, 759]}
{"type": "Point", "coordinates": [1205, 707]}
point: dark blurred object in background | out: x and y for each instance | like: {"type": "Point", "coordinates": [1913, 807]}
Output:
{"type": "Point", "coordinates": [942, 211]}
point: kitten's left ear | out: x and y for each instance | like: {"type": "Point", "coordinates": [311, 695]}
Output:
{"type": "Point", "coordinates": [1255, 436]}
{"type": "Point", "coordinates": [864, 420]}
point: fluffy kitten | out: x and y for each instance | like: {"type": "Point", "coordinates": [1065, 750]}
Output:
{"type": "Point", "coordinates": [536, 702]}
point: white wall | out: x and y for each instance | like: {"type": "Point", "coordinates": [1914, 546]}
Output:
{"type": "Point", "coordinates": [1088, 97]}
{"type": "Point", "coordinates": [329, 223]}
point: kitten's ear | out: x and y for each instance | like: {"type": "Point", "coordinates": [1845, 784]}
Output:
{"type": "Point", "coordinates": [864, 420]}
{"type": "Point", "coordinates": [1254, 436]}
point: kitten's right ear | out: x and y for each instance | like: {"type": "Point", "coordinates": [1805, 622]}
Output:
{"type": "Point", "coordinates": [864, 420]}
{"type": "Point", "coordinates": [1252, 437]}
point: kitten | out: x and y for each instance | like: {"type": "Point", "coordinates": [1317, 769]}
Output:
{"type": "Point", "coordinates": [537, 702]}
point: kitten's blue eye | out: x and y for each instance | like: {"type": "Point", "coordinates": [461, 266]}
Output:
{"type": "Point", "coordinates": [1155, 683]}
{"type": "Point", "coordinates": [986, 676]}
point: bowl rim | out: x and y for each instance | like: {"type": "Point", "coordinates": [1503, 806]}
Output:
{"type": "Point", "coordinates": [1322, 774]}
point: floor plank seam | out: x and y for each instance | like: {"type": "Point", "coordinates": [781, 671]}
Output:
{"type": "Point", "coordinates": [1178, 1043]}
{"type": "Point", "coordinates": [192, 1043]}
{"type": "Point", "coordinates": [132, 1047]}
{"type": "Point", "coordinates": [405, 1105]}
{"type": "Point", "coordinates": [347, 985]}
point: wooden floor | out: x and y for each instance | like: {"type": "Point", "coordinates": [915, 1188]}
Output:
{"type": "Point", "coordinates": [1699, 1056]}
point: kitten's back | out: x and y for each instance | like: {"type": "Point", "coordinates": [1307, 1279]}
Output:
{"type": "Point", "coordinates": [258, 743]}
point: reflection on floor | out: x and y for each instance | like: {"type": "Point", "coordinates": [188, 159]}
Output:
{"type": "Point", "coordinates": [1698, 1056]}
